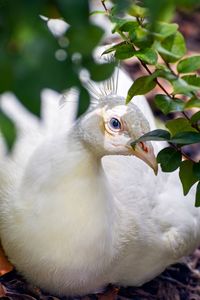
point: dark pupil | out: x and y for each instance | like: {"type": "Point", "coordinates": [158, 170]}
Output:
{"type": "Point", "coordinates": [115, 123]}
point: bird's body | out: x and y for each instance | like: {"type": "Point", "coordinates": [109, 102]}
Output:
{"type": "Point", "coordinates": [60, 224]}
{"type": "Point", "coordinates": [75, 216]}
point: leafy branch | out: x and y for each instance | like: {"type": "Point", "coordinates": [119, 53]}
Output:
{"type": "Point", "coordinates": [160, 45]}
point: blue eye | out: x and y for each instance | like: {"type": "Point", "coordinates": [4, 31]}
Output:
{"type": "Point", "coordinates": [115, 124]}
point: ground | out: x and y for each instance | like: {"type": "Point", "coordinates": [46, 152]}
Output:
{"type": "Point", "coordinates": [179, 282]}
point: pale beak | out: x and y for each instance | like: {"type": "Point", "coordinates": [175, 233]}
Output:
{"type": "Point", "coordinates": [144, 151]}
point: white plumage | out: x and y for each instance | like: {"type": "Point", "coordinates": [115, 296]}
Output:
{"type": "Point", "coordinates": [70, 228]}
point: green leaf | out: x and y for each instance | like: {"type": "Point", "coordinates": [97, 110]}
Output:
{"type": "Point", "coordinates": [189, 4]}
{"type": "Point", "coordinates": [75, 12]}
{"type": "Point", "coordinates": [187, 176]}
{"type": "Point", "coordinates": [182, 87]}
{"type": "Point", "coordinates": [32, 65]}
{"type": "Point", "coordinates": [164, 74]}
{"type": "Point", "coordinates": [31, 58]}
{"type": "Point", "coordinates": [141, 37]}
{"type": "Point", "coordinates": [159, 10]}
{"type": "Point", "coordinates": [8, 130]}
{"type": "Point", "coordinates": [163, 135]}
{"type": "Point", "coordinates": [124, 51]}
{"type": "Point", "coordinates": [167, 105]}
{"type": "Point", "coordinates": [113, 48]}
{"type": "Point", "coordinates": [196, 170]}
{"type": "Point", "coordinates": [189, 64]}
{"type": "Point", "coordinates": [197, 197]}
{"type": "Point", "coordinates": [193, 102]}
{"type": "Point", "coordinates": [179, 125]}
{"type": "Point", "coordinates": [162, 30]}
{"type": "Point", "coordinates": [176, 105]}
{"type": "Point", "coordinates": [123, 25]}
{"type": "Point", "coordinates": [83, 39]}
{"type": "Point", "coordinates": [140, 86]}
{"type": "Point", "coordinates": [169, 159]}
{"type": "Point", "coordinates": [100, 72]}
{"type": "Point", "coordinates": [127, 26]}
{"type": "Point", "coordinates": [121, 6]}
{"type": "Point", "coordinates": [195, 118]}
{"type": "Point", "coordinates": [172, 48]}
{"type": "Point", "coordinates": [193, 80]}
{"type": "Point", "coordinates": [84, 101]}
{"type": "Point", "coordinates": [155, 135]}
{"type": "Point", "coordinates": [186, 138]}
{"type": "Point", "coordinates": [147, 55]}
{"type": "Point", "coordinates": [137, 11]}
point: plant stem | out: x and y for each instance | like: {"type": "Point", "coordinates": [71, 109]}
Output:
{"type": "Point", "coordinates": [156, 80]}
{"type": "Point", "coordinates": [182, 153]}
{"type": "Point", "coordinates": [139, 21]}
{"type": "Point", "coordinates": [185, 115]}
{"type": "Point", "coordinates": [104, 5]}
{"type": "Point", "coordinates": [186, 156]}
{"type": "Point", "coordinates": [144, 65]}
{"type": "Point", "coordinates": [169, 67]}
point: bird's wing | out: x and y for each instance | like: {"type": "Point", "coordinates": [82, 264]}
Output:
{"type": "Point", "coordinates": [157, 203]}
{"type": "Point", "coordinates": [27, 126]}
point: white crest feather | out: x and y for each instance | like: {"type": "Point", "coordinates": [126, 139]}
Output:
{"type": "Point", "coordinates": [100, 90]}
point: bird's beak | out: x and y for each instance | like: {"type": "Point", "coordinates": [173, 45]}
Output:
{"type": "Point", "coordinates": [144, 151]}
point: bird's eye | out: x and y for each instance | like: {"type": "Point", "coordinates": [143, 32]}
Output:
{"type": "Point", "coordinates": [115, 124]}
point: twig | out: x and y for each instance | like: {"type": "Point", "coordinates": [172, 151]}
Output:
{"type": "Point", "coordinates": [169, 67]}
{"type": "Point", "coordinates": [144, 65]}
{"type": "Point", "coordinates": [182, 153]}
{"type": "Point", "coordinates": [156, 80]}
{"type": "Point", "coordinates": [139, 21]}
{"type": "Point", "coordinates": [185, 115]}
{"type": "Point", "coordinates": [104, 5]}
{"type": "Point", "coordinates": [178, 283]}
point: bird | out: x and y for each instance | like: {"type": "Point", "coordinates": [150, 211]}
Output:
{"type": "Point", "coordinates": [79, 210]}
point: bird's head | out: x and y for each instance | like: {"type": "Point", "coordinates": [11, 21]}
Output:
{"type": "Point", "coordinates": [111, 127]}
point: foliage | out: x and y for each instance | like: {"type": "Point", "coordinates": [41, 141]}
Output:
{"type": "Point", "coordinates": [31, 59]}
{"type": "Point", "coordinates": [148, 35]}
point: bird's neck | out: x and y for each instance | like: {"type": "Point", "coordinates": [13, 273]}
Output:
{"type": "Point", "coordinates": [87, 199]}
{"type": "Point", "coordinates": [82, 151]}
{"type": "Point", "coordinates": [65, 187]}
{"type": "Point", "coordinates": [86, 170]}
